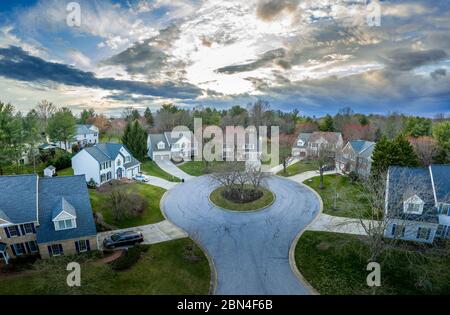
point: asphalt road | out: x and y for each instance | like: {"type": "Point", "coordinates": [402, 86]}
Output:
{"type": "Point", "coordinates": [250, 250]}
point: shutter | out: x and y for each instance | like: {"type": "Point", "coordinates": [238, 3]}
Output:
{"type": "Point", "coordinates": [13, 250]}
{"type": "Point", "coordinates": [77, 247]}
{"type": "Point", "coordinates": [28, 248]}
{"type": "Point", "coordinates": [33, 227]}
{"type": "Point", "coordinates": [60, 249]}
{"type": "Point", "coordinates": [22, 229]}
{"type": "Point", "coordinates": [50, 250]}
{"type": "Point", "coordinates": [428, 234]}
{"type": "Point", "coordinates": [394, 226]}
{"type": "Point", "coordinates": [7, 232]}
{"type": "Point", "coordinates": [88, 245]}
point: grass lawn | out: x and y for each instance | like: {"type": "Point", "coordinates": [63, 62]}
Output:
{"type": "Point", "coordinates": [299, 167]}
{"type": "Point", "coordinates": [65, 172]}
{"type": "Point", "coordinates": [114, 139]}
{"type": "Point", "coordinates": [341, 197]}
{"type": "Point", "coordinates": [336, 264]}
{"type": "Point", "coordinates": [151, 168]}
{"type": "Point", "coordinates": [163, 269]}
{"type": "Point", "coordinates": [24, 169]}
{"type": "Point", "coordinates": [220, 201]}
{"type": "Point", "coordinates": [100, 203]}
{"type": "Point", "coordinates": [199, 168]}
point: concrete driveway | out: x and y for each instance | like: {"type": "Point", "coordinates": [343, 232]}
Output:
{"type": "Point", "coordinates": [173, 170]}
{"type": "Point", "coordinates": [250, 251]}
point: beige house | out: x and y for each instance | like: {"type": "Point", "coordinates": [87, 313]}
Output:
{"type": "Point", "coordinates": [356, 156]}
{"type": "Point", "coordinates": [308, 145]}
{"type": "Point", "coordinates": [45, 216]}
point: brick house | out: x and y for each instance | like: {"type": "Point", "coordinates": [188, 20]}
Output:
{"type": "Point", "coordinates": [45, 216]}
{"type": "Point", "coordinates": [356, 156]}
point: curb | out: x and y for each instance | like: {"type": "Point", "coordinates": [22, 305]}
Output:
{"type": "Point", "coordinates": [292, 263]}
{"type": "Point", "coordinates": [212, 267]}
{"type": "Point", "coordinates": [243, 211]}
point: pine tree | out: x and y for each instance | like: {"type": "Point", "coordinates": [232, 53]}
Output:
{"type": "Point", "coordinates": [381, 156]}
{"type": "Point", "coordinates": [135, 139]}
{"type": "Point", "coordinates": [327, 124]}
{"type": "Point", "coordinates": [148, 117]}
{"type": "Point", "coordinates": [406, 155]}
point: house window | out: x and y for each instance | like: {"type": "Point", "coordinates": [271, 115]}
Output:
{"type": "Point", "coordinates": [55, 250]}
{"type": "Point", "coordinates": [65, 224]}
{"type": "Point", "coordinates": [13, 231]}
{"type": "Point", "coordinates": [161, 146]}
{"type": "Point", "coordinates": [102, 178]}
{"type": "Point", "coordinates": [398, 230]}
{"type": "Point", "coordinates": [108, 176]}
{"type": "Point", "coordinates": [127, 159]}
{"type": "Point", "coordinates": [32, 246]}
{"type": "Point", "coordinates": [412, 207]}
{"type": "Point", "coordinates": [19, 249]}
{"type": "Point", "coordinates": [28, 228]}
{"type": "Point", "coordinates": [423, 233]}
{"type": "Point", "coordinates": [82, 246]}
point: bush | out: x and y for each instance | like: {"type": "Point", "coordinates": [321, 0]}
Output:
{"type": "Point", "coordinates": [91, 184]}
{"type": "Point", "coordinates": [126, 204]}
{"type": "Point", "coordinates": [353, 177]}
{"type": "Point", "coordinates": [128, 258]}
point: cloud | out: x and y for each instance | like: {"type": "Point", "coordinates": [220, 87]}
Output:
{"type": "Point", "coordinates": [16, 64]}
{"type": "Point", "coordinates": [408, 60]}
{"type": "Point", "coordinates": [270, 9]}
{"type": "Point", "coordinates": [266, 58]}
{"type": "Point", "coordinates": [436, 74]}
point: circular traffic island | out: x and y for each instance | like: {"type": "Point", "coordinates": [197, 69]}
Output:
{"type": "Point", "coordinates": [244, 200]}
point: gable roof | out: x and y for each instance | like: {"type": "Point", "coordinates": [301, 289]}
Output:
{"type": "Point", "coordinates": [361, 145]}
{"type": "Point", "coordinates": [72, 189]}
{"type": "Point", "coordinates": [105, 151]}
{"type": "Point", "coordinates": [18, 198]}
{"type": "Point", "coordinates": [330, 137]}
{"type": "Point", "coordinates": [441, 181]}
{"type": "Point", "coordinates": [85, 129]}
{"type": "Point", "coordinates": [304, 137]}
{"type": "Point", "coordinates": [404, 183]}
{"type": "Point", "coordinates": [63, 206]}
{"type": "Point", "coordinates": [156, 138]}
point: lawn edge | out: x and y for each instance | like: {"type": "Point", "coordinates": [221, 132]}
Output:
{"type": "Point", "coordinates": [243, 211]}
{"type": "Point", "coordinates": [294, 243]}
{"type": "Point", "coordinates": [213, 277]}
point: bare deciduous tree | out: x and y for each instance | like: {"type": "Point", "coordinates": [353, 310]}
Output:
{"type": "Point", "coordinates": [426, 149]}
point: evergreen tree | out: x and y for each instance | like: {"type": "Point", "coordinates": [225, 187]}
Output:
{"type": "Point", "coordinates": [135, 139]}
{"type": "Point", "coordinates": [149, 117]}
{"type": "Point", "coordinates": [327, 124]}
{"type": "Point", "coordinates": [381, 156]}
{"type": "Point", "coordinates": [62, 126]}
{"type": "Point", "coordinates": [406, 155]}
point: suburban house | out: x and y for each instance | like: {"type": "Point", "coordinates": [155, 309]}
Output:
{"type": "Point", "coordinates": [104, 162]}
{"type": "Point", "coordinates": [85, 135]}
{"type": "Point", "coordinates": [45, 216]}
{"type": "Point", "coordinates": [417, 204]}
{"type": "Point", "coordinates": [356, 156]}
{"type": "Point", "coordinates": [308, 145]}
{"type": "Point", "coordinates": [171, 146]}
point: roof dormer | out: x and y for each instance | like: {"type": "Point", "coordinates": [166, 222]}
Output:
{"type": "Point", "coordinates": [64, 216]}
{"type": "Point", "coordinates": [161, 145]}
{"type": "Point", "coordinates": [413, 205]}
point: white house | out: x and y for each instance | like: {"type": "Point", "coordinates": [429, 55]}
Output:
{"type": "Point", "coordinates": [417, 205]}
{"type": "Point", "coordinates": [168, 145]}
{"type": "Point", "coordinates": [85, 135]}
{"type": "Point", "coordinates": [104, 162]}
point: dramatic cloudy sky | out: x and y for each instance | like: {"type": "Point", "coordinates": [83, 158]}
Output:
{"type": "Point", "coordinates": [314, 55]}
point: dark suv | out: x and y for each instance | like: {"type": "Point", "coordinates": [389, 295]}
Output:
{"type": "Point", "coordinates": [123, 239]}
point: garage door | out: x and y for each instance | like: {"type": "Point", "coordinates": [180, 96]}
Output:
{"type": "Point", "coordinates": [162, 157]}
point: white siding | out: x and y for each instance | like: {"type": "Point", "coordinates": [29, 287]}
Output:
{"type": "Point", "coordinates": [84, 164]}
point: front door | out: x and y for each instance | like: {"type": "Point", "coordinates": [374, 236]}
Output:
{"type": "Point", "coordinates": [119, 173]}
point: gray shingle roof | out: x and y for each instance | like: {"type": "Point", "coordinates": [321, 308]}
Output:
{"type": "Point", "coordinates": [172, 140]}
{"type": "Point", "coordinates": [304, 137]}
{"type": "Point", "coordinates": [63, 205]}
{"type": "Point", "coordinates": [18, 198]}
{"type": "Point", "coordinates": [405, 182]}
{"type": "Point", "coordinates": [105, 151]}
{"type": "Point", "coordinates": [74, 190]}
{"type": "Point", "coordinates": [132, 163]}
{"type": "Point", "coordinates": [84, 129]}
{"type": "Point", "coordinates": [360, 145]}
{"type": "Point", "coordinates": [156, 138]}
{"type": "Point", "coordinates": [441, 179]}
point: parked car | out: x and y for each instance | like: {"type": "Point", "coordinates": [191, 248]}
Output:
{"type": "Point", "coordinates": [123, 239]}
{"type": "Point", "coordinates": [140, 178]}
